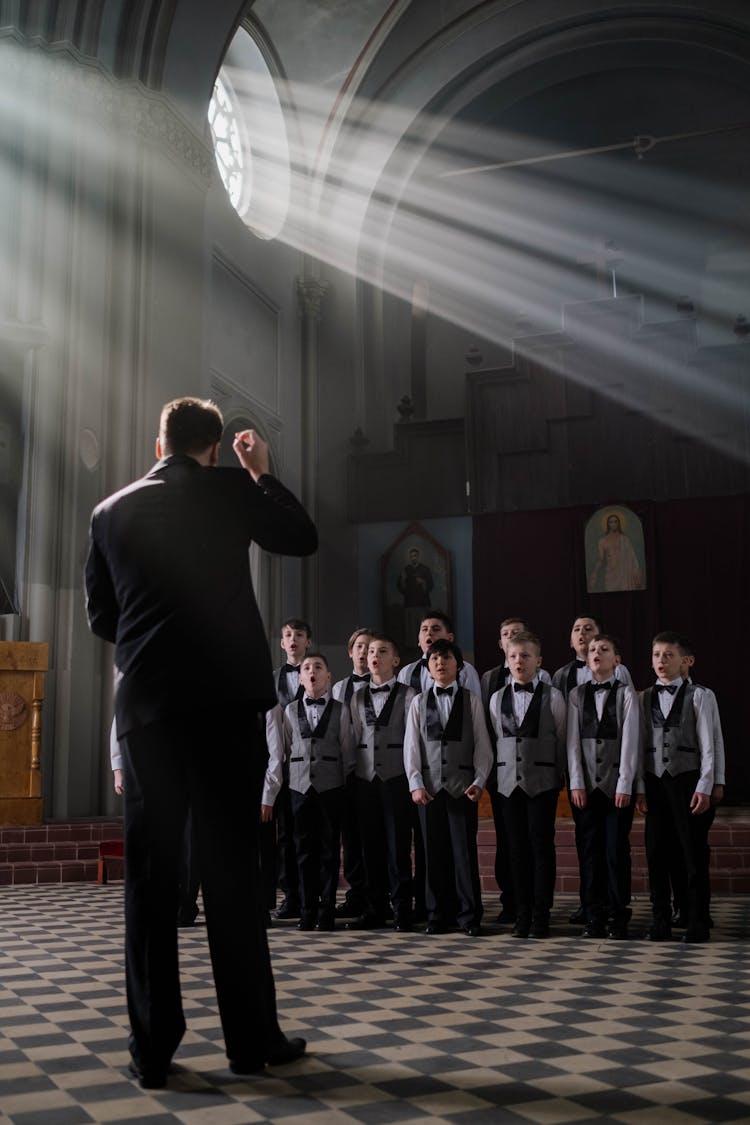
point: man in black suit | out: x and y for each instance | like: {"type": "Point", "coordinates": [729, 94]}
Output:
{"type": "Point", "coordinates": [168, 581]}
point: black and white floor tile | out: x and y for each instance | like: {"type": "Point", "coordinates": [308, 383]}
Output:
{"type": "Point", "coordinates": [402, 1028]}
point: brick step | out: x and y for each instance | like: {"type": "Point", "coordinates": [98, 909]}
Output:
{"type": "Point", "coordinates": [729, 840]}
{"type": "Point", "coordinates": [46, 852]}
{"type": "Point", "coordinates": [61, 832]}
{"type": "Point", "coordinates": [50, 871]}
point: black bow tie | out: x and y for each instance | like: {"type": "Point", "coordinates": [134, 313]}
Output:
{"type": "Point", "coordinates": [360, 679]}
{"type": "Point", "coordinates": [444, 691]}
{"type": "Point", "coordinates": [375, 690]}
{"type": "Point", "coordinates": [320, 702]}
{"type": "Point", "coordinates": [602, 687]}
{"type": "Point", "coordinates": [671, 688]}
{"type": "Point", "coordinates": [580, 663]}
{"type": "Point", "coordinates": [290, 668]}
{"type": "Point", "coordinates": [524, 687]}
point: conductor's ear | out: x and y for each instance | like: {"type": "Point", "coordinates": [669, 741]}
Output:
{"type": "Point", "coordinates": [158, 449]}
{"type": "Point", "coordinates": [213, 458]}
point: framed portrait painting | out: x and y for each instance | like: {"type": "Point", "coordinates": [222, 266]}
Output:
{"type": "Point", "coordinates": [615, 553]}
{"type": "Point", "coordinates": [416, 577]}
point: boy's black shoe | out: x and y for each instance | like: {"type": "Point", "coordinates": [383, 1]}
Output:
{"type": "Point", "coordinates": [148, 1079]}
{"type": "Point", "coordinates": [696, 933]}
{"type": "Point", "coordinates": [435, 928]}
{"type": "Point", "coordinates": [472, 930]}
{"type": "Point", "coordinates": [325, 923]}
{"type": "Point", "coordinates": [288, 1051]}
{"type": "Point", "coordinates": [659, 931]}
{"type": "Point", "coordinates": [522, 927]}
{"type": "Point", "coordinates": [288, 909]}
{"type": "Point", "coordinates": [539, 928]}
{"type": "Point", "coordinates": [618, 930]}
{"type": "Point", "coordinates": [307, 922]}
{"type": "Point", "coordinates": [594, 930]}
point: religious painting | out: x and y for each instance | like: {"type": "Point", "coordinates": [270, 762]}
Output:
{"type": "Point", "coordinates": [615, 553]}
{"type": "Point", "coordinates": [416, 577]}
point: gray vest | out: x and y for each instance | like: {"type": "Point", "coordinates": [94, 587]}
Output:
{"type": "Point", "coordinates": [672, 743]}
{"type": "Point", "coordinates": [565, 679]}
{"type": "Point", "coordinates": [447, 753]}
{"type": "Point", "coordinates": [601, 738]}
{"type": "Point", "coordinates": [316, 758]}
{"type": "Point", "coordinates": [381, 751]}
{"type": "Point", "coordinates": [527, 755]}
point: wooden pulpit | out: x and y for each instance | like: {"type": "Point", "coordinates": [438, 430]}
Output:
{"type": "Point", "coordinates": [22, 668]}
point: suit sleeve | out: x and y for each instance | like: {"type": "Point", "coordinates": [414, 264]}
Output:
{"type": "Point", "coordinates": [279, 523]}
{"type": "Point", "coordinates": [102, 609]}
{"type": "Point", "coordinates": [574, 751]}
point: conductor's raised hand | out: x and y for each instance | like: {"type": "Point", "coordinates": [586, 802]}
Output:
{"type": "Point", "coordinates": [252, 452]}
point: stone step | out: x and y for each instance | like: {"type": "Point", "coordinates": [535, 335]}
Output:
{"type": "Point", "coordinates": [62, 853]}
{"type": "Point", "coordinates": [57, 852]}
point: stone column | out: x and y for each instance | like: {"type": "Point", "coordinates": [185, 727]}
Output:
{"type": "Point", "coordinates": [310, 292]}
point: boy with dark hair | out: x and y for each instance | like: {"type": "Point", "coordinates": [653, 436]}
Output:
{"type": "Point", "coordinates": [447, 757]}
{"type": "Point", "coordinates": [355, 902]}
{"type": "Point", "coordinates": [296, 638]}
{"type": "Point", "coordinates": [679, 757]}
{"type": "Point", "coordinates": [528, 717]}
{"type": "Point", "coordinates": [573, 674]}
{"type": "Point", "coordinates": [383, 804]}
{"type": "Point", "coordinates": [676, 870]}
{"type": "Point", "coordinates": [436, 625]}
{"type": "Point", "coordinates": [319, 751]}
{"type": "Point", "coordinates": [605, 767]}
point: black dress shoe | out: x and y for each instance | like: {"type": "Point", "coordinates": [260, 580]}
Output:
{"type": "Point", "coordinates": [539, 928]}
{"type": "Point", "coordinates": [365, 922]}
{"type": "Point", "coordinates": [148, 1079]}
{"type": "Point", "coordinates": [522, 927]}
{"type": "Point", "coordinates": [594, 930]}
{"type": "Point", "coordinates": [658, 931]}
{"type": "Point", "coordinates": [402, 926]}
{"type": "Point", "coordinates": [288, 1051]}
{"type": "Point", "coordinates": [306, 922]}
{"type": "Point", "coordinates": [618, 930]}
{"type": "Point", "coordinates": [473, 930]}
{"type": "Point", "coordinates": [435, 928]}
{"type": "Point", "coordinates": [696, 933]}
{"type": "Point", "coordinates": [325, 923]}
{"type": "Point", "coordinates": [288, 909]}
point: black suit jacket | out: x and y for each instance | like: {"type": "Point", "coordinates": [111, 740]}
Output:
{"type": "Point", "coordinates": [168, 581]}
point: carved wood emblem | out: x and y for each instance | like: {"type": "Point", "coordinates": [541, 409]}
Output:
{"type": "Point", "coordinates": [12, 710]}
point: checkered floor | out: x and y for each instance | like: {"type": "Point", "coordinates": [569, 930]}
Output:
{"type": "Point", "coordinates": [401, 1027]}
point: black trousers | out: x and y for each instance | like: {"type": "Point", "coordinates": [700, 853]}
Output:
{"type": "Point", "coordinates": [530, 830]}
{"type": "Point", "coordinates": [449, 829]}
{"type": "Point", "coordinates": [384, 815]}
{"type": "Point", "coordinates": [213, 765]}
{"type": "Point", "coordinates": [604, 832]}
{"type": "Point", "coordinates": [351, 843]}
{"type": "Point", "coordinates": [287, 869]}
{"type": "Point", "coordinates": [317, 838]}
{"type": "Point", "coordinates": [670, 821]}
{"type": "Point", "coordinates": [503, 875]}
